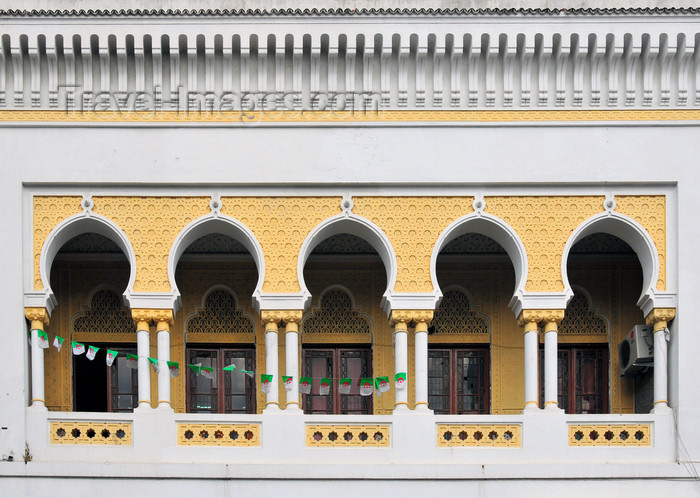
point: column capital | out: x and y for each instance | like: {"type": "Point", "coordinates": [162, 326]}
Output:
{"type": "Point", "coordinates": [537, 316]}
{"type": "Point", "coordinates": [408, 316]}
{"type": "Point", "coordinates": [152, 315]}
{"type": "Point", "coordinates": [269, 316]}
{"type": "Point", "coordinates": [659, 317]}
{"type": "Point", "coordinates": [37, 315]}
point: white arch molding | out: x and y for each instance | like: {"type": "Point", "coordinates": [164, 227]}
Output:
{"type": "Point", "coordinates": [498, 230]}
{"type": "Point", "coordinates": [78, 224]}
{"type": "Point", "coordinates": [207, 225]}
{"type": "Point", "coordinates": [634, 234]}
{"type": "Point", "coordinates": [348, 222]}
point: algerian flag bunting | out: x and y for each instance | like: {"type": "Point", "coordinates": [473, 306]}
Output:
{"type": "Point", "coordinates": [91, 352]}
{"type": "Point", "coordinates": [366, 386]}
{"type": "Point", "coordinates": [382, 385]}
{"type": "Point", "coordinates": [288, 382]}
{"type": "Point", "coordinates": [230, 368]}
{"type": "Point", "coordinates": [325, 388]}
{"type": "Point", "coordinates": [43, 339]}
{"type": "Point", "coordinates": [174, 368]}
{"type": "Point", "coordinates": [265, 382]}
{"type": "Point", "coordinates": [400, 379]}
{"type": "Point", "coordinates": [58, 343]}
{"type": "Point", "coordinates": [305, 385]}
{"type": "Point", "coordinates": [132, 361]}
{"type": "Point", "coordinates": [111, 355]}
{"type": "Point", "coordinates": [196, 368]}
{"type": "Point", "coordinates": [154, 364]}
{"type": "Point", "coordinates": [344, 385]}
{"type": "Point", "coordinates": [208, 372]}
{"type": "Point", "coordinates": [77, 347]}
{"type": "Point", "coordinates": [249, 373]}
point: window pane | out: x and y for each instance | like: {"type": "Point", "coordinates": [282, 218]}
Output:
{"type": "Point", "coordinates": [439, 381]}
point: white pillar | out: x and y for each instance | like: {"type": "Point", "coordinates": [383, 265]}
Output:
{"type": "Point", "coordinates": [660, 368]}
{"type": "Point", "coordinates": [163, 338]}
{"type": "Point", "coordinates": [401, 364]}
{"type": "Point", "coordinates": [271, 364]}
{"type": "Point", "coordinates": [530, 338]}
{"type": "Point", "coordinates": [144, 369]}
{"type": "Point", "coordinates": [551, 391]}
{"type": "Point", "coordinates": [291, 346]}
{"type": "Point", "coordinates": [422, 366]}
{"type": "Point", "coordinates": [38, 399]}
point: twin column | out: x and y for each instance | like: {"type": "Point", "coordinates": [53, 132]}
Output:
{"type": "Point", "coordinates": [162, 319]}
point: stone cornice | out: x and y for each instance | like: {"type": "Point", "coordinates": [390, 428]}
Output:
{"type": "Point", "coordinates": [37, 314]}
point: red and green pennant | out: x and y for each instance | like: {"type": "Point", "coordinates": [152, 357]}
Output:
{"type": "Point", "coordinates": [174, 368]}
{"type": "Point", "coordinates": [288, 382]}
{"type": "Point", "coordinates": [43, 339]}
{"type": "Point", "coordinates": [77, 348]}
{"type": "Point", "coordinates": [400, 380]}
{"type": "Point", "coordinates": [230, 368]}
{"type": "Point", "coordinates": [325, 387]}
{"type": "Point", "coordinates": [111, 355]}
{"type": "Point", "coordinates": [382, 385]}
{"type": "Point", "coordinates": [58, 343]}
{"type": "Point", "coordinates": [91, 352]}
{"type": "Point", "coordinates": [265, 382]}
{"type": "Point", "coordinates": [154, 364]}
{"type": "Point", "coordinates": [207, 372]}
{"type": "Point", "coordinates": [305, 385]}
{"type": "Point", "coordinates": [197, 369]}
{"type": "Point", "coordinates": [249, 373]}
{"type": "Point", "coordinates": [366, 387]}
{"type": "Point", "coordinates": [344, 385]}
{"type": "Point", "coordinates": [132, 361]}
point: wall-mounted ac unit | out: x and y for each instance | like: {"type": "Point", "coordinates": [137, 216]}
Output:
{"type": "Point", "coordinates": [636, 350]}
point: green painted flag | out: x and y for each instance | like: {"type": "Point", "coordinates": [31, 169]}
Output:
{"type": "Point", "coordinates": [249, 373]}
{"type": "Point", "coordinates": [196, 368]}
{"type": "Point", "coordinates": [230, 368]}
{"type": "Point", "coordinates": [344, 385]}
{"type": "Point", "coordinates": [132, 361]}
{"type": "Point", "coordinates": [305, 385]}
{"type": "Point", "coordinates": [174, 368]}
{"type": "Point", "coordinates": [43, 339]}
{"type": "Point", "coordinates": [111, 355]}
{"type": "Point", "coordinates": [208, 372]}
{"type": "Point", "coordinates": [288, 382]}
{"type": "Point", "coordinates": [77, 347]}
{"type": "Point", "coordinates": [400, 379]}
{"type": "Point", "coordinates": [325, 387]}
{"type": "Point", "coordinates": [382, 385]}
{"type": "Point", "coordinates": [154, 364]}
{"type": "Point", "coordinates": [91, 352]}
{"type": "Point", "coordinates": [366, 387]}
{"type": "Point", "coordinates": [58, 343]}
{"type": "Point", "coordinates": [265, 382]}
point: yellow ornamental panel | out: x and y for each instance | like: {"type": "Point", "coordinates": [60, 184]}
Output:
{"type": "Point", "coordinates": [544, 224]}
{"type": "Point", "coordinates": [96, 433]}
{"type": "Point", "coordinates": [479, 435]}
{"type": "Point", "coordinates": [49, 211]}
{"type": "Point", "coordinates": [413, 225]}
{"type": "Point", "coordinates": [218, 435]}
{"type": "Point", "coordinates": [366, 436]}
{"type": "Point", "coordinates": [281, 224]}
{"type": "Point", "coordinates": [650, 212]}
{"type": "Point", "coordinates": [610, 435]}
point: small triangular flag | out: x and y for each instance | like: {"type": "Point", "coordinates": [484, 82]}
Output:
{"type": "Point", "coordinates": [344, 385]}
{"type": "Point", "coordinates": [325, 387]}
{"type": "Point", "coordinates": [400, 379]}
{"type": "Point", "coordinates": [58, 343]}
{"type": "Point", "coordinates": [91, 352]}
{"type": "Point", "coordinates": [196, 368]}
{"type": "Point", "coordinates": [174, 368]}
{"type": "Point", "coordinates": [132, 361]}
{"type": "Point", "coordinates": [305, 385]}
{"type": "Point", "coordinates": [288, 382]}
{"type": "Point", "coordinates": [111, 355]}
{"type": "Point", "coordinates": [265, 382]}
{"type": "Point", "coordinates": [208, 372]}
{"type": "Point", "coordinates": [230, 368]}
{"type": "Point", "coordinates": [43, 339]}
{"type": "Point", "coordinates": [77, 347]}
{"type": "Point", "coordinates": [249, 373]}
{"type": "Point", "coordinates": [366, 387]}
{"type": "Point", "coordinates": [154, 364]}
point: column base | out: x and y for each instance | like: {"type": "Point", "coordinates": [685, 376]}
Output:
{"type": "Point", "coordinates": [401, 408]}
{"type": "Point", "coordinates": [531, 407]}
{"type": "Point", "coordinates": [293, 408]}
{"type": "Point", "coordinates": [661, 407]}
{"type": "Point", "coordinates": [272, 408]}
{"type": "Point", "coordinates": [553, 407]}
{"type": "Point", "coordinates": [165, 406]}
{"type": "Point", "coordinates": [143, 406]}
{"type": "Point", "coordinates": [38, 405]}
{"type": "Point", "coordinates": [423, 408]}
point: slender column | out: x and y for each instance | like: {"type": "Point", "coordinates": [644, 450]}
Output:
{"type": "Point", "coordinates": [271, 358]}
{"type": "Point", "coordinates": [400, 322]}
{"type": "Point", "coordinates": [421, 335]}
{"type": "Point", "coordinates": [163, 320]}
{"type": "Point", "coordinates": [528, 321]}
{"type": "Point", "coordinates": [143, 333]}
{"type": "Point", "coordinates": [551, 392]}
{"type": "Point", "coordinates": [39, 318]}
{"type": "Point", "coordinates": [291, 344]}
{"type": "Point", "coordinates": [659, 318]}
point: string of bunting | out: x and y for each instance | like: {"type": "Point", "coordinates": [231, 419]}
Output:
{"type": "Point", "coordinates": [367, 384]}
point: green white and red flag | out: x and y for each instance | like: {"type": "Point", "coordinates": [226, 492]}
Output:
{"type": "Point", "coordinates": [58, 343]}
{"type": "Point", "coordinates": [305, 385]}
{"type": "Point", "coordinates": [132, 361]}
{"type": "Point", "coordinates": [197, 369]}
{"type": "Point", "coordinates": [43, 339]}
{"type": "Point", "coordinates": [325, 387]}
{"type": "Point", "coordinates": [400, 380]}
{"type": "Point", "coordinates": [230, 368]}
{"type": "Point", "coordinates": [288, 382]}
{"type": "Point", "coordinates": [265, 382]}
{"type": "Point", "coordinates": [208, 372]}
{"type": "Point", "coordinates": [249, 373]}
{"type": "Point", "coordinates": [77, 347]}
{"type": "Point", "coordinates": [382, 385]}
{"type": "Point", "coordinates": [154, 364]}
{"type": "Point", "coordinates": [366, 387]}
{"type": "Point", "coordinates": [111, 355]}
{"type": "Point", "coordinates": [344, 385]}
{"type": "Point", "coordinates": [91, 352]}
{"type": "Point", "coordinates": [174, 368]}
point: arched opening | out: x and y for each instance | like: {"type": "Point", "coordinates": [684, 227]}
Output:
{"type": "Point", "coordinates": [216, 330]}
{"type": "Point", "coordinates": [606, 277]}
{"type": "Point", "coordinates": [345, 330]}
{"type": "Point", "coordinates": [89, 275]}
{"type": "Point", "coordinates": [466, 353]}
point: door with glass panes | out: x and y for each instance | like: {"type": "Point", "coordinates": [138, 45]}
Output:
{"type": "Point", "coordinates": [458, 380]}
{"type": "Point", "coordinates": [337, 363]}
{"type": "Point", "coordinates": [101, 388]}
{"type": "Point", "coordinates": [225, 392]}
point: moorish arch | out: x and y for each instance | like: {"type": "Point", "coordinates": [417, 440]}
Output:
{"type": "Point", "coordinates": [74, 226]}
{"type": "Point", "coordinates": [631, 232]}
{"type": "Point", "coordinates": [348, 222]}
{"type": "Point", "coordinates": [490, 226]}
{"type": "Point", "coordinates": [215, 223]}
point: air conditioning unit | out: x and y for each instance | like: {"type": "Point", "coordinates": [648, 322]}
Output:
{"type": "Point", "coordinates": [636, 350]}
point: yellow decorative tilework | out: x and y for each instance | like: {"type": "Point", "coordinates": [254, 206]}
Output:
{"type": "Point", "coordinates": [218, 434]}
{"type": "Point", "coordinates": [413, 225]}
{"type": "Point", "coordinates": [95, 433]}
{"type": "Point", "coordinates": [480, 435]}
{"type": "Point", "coordinates": [650, 212]}
{"type": "Point", "coordinates": [368, 436]}
{"type": "Point", "coordinates": [281, 225]}
{"type": "Point", "coordinates": [49, 212]}
{"type": "Point", "coordinates": [610, 435]}
{"type": "Point", "coordinates": [475, 116]}
{"type": "Point", "coordinates": [544, 224]}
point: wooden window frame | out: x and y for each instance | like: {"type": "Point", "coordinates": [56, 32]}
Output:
{"type": "Point", "coordinates": [452, 393]}
{"type": "Point", "coordinates": [111, 376]}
